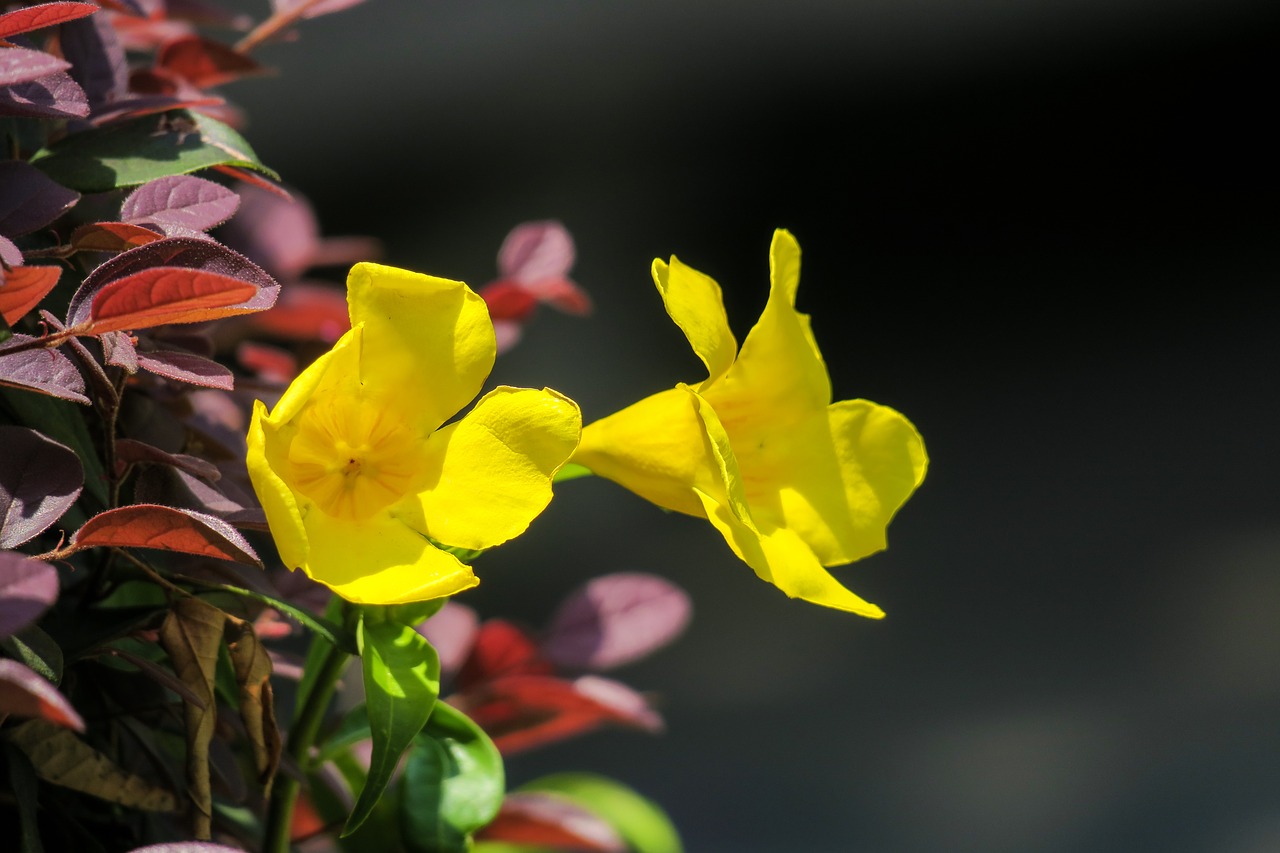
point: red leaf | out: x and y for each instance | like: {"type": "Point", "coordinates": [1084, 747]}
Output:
{"type": "Point", "coordinates": [206, 62]}
{"type": "Point", "coordinates": [111, 237]}
{"type": "Point", "coordinates": [508, 300]}
{"type": "Point", "coordinates": [541, 819]}
{"type": "Point", "coordinates": [22, 288]}
{"type": "Point", "coordinates": [162, 295]}
{"type": "Point", "coordinates": [269, 363]}
{"type": "Point", "coordinates": [165, 528]}
{"type": "Point", "coordinates": [306, 312]}
{"type": "Point", "coordinates": [501, 649]}
{"type": "Point", "coordinates": [24, 693]}
{"type": "Point", "coordinates": [43, 15]}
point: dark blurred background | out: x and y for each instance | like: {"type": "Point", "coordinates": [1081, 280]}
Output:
{"type": "Point", "coordinates": [1044, 230]}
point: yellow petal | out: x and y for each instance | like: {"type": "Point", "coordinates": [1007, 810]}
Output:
{"type": "Point", "coordinates": [779, 374]}
{"type": "Point", "coordinates": [654, 448]}
{"type": "Point", "coordinates": [335, 369]}
{"type": "Point", "coordinates": [427, 337]}
{"type": "Point", "coordinates": [278, 500]}
{"type": "Point", "coordinates": [696, 304]}
{"type": "Point", "coordinates": [782, 558]}
{"type": "Point", "coordinates": [777, 554]}
{"type": "Point", "coordinates": [380, 560]}
{"type": "Point", "coordinates": [490, 473]}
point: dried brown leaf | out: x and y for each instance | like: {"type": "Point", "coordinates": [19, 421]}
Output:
{"type": "Point", "coordinates": [257, 703]}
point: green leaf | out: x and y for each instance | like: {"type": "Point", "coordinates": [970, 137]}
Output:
{"type": "Point", "coordinates": [37, 650]}
{"type": "Point", "coordinates": [453, 784]}
{"type": "Point", "coordinates": [415, 612]}
{"type": "Point", "coordinates": [401, 683]}
{"type": "Point", "coordinates": [641, 823]}
{"type": "Point", "coordinates": [334, 634]}
{"type": "Point", "coordinates": [24, 787]}
{"type": "Point", "coordinates": [141, 150]}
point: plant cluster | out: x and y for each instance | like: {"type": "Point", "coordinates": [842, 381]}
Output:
{"type": "Point", "coordinates": [225, 483]}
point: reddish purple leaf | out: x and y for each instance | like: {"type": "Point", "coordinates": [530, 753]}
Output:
{"type": "Point", "coordinates": [187, 847]}
{"type": "Point", "coordinates": [452, 632]}
{"type": "Point", "coordinates": [136, 106]}
{"type": "Point", "coordinates": [282, 234]}
{"type": "Point", "coordinates": [205, 62]}
{"type": "Point", "coordinates": [162, 295]}
{"type": "Point", "coordinates": [97, 59]}
{"type": "Point", "coordinates": [23, 65]}
{"type": "Point", "coordinates": [268, 363]}
{"type": "Point", "coordinates": [180, 200]}
{"type": "Point", "coordinates": [111, 237]}
{"type": "Point", "coordinates": [520, 712]}
{"type": "Point", "coordinates": [166, 529]}
{"type": "Point", "coordinates": [539, 819]}
{"type": "Point", "coordinates": [187, 367]}
{"type": "Point", "coordinates": [24, 693]}
{"type": "Point", "coordinates": [45, 370]}
{"type": "Point", "coordinates": [184, 252]}
{"type": "Point", "coordinates": [55, 96]}
{"type": "Point", "coordinates": [508, 300]}
{"type": "Point", "coordinates": [10, 254]}
{"type": "Point", "coordinates": [28, 587]}
{"type": "Point", "coordinates": [22, 288]}
{"type": "Point", "coordinates": [129, 452]}
{"type": "Point", "coordinates": [42, 15]}
{"type": "Point", "coordinates": [39, 480]}
{"type": "Point", "coordinates": [536, 250]}
{"type": "Point", "coordinates": [30, 199]}
{"type": "Point", "coordinates": [306, 312]}
{"type": "Point", "coordinates": [118, 351]}
{"type": "Point", "coordinates": [616, 619]}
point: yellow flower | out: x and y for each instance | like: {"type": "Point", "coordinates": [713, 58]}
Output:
{"type": "Point", "coordinates": [359, 479]}
{"type": "Point", "coordinates": [791, 480]}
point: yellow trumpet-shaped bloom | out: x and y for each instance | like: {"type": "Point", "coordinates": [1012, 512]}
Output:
{"type": "Point", "coordinates": [356, 471]}
{"type": "Point", "coordinates": [792, 481]}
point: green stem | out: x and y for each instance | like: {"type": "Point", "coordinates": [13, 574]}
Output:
{"type": "Point", "coordinates": [302, 736]}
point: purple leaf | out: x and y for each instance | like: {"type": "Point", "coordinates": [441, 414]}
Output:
{"type": "Point", "coordinates": [538, 817]}
{"type": "Point", "coordinates": [39, 480]}
{"type": "Point", "coordinates": [614, 620]}
{"type": "Point", "coordinates": [10, 254]}
{"type": "Point", "coordinates": [180, 201]}
{"type": "Point", "coordinates": [118, 351]}
{"type": "Point", "coordinates": [187, 367]}
{"type": "Point", "coordinates": [534, 251]}
{"type": "Point", "coordinates": [45, 370]}
{"type": "Point", "coordinates": [186, 252]}
{"type": "Point", "coordinates": [28, 587]}
{"type": "Point", "coordinates": [281, 234]}
{"type": "Point", "coordinates": [29, 199]}
{"type": "Point", "coordinates": [23, 65]}
{"type": "Point", "coordinates": [187, 847]}
{"type": "Point", "coordinates": [452, 631]}
{"type": "Point", "coordinates": [129, 451]}
{"type": "Point", "coordinates": [54, 96]}
{"type": "Point", "coordinates": [97, 59]}
{"type": "Point", "coordinates": [25, 693]}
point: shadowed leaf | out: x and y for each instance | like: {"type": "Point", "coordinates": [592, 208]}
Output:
{"type": "Point", "coordinates": [166, 529]}
{"type": "Point", "coordinates": [23, 693]}
{"type": "Point", "coordinates": [62, 758]}
{"type": "Point", "coordinates": [614, 620]}
{"type": "Point", "coordinates": [42, 15]}
{"type": "Point", "coordinates": [111, 237]}
{"type": "Point", "coordinates": [130, 451]}
{"type": "Point", "coordinates": [143, 149]}
{"type": "Point", "coordinates": [97, 59]}
{"type": "Point", "coordinates": [30, 200]}
{"type": "Point", "coordinates": [39, 480]}
{"type": "Point", "coordinates": [192, 635]}
{"type": "Point", "coordinates": [27, 589]}
{"type": "Point", "coordinates": [47, 371]}
{"type": "Point", "coordinates": [55, 96]}
{"type": "Point", "coordinates": [22, 288]}
{"type": "Point", "coordinates": [180, 200]}
{"type": "Point", "coordinates": [257, 703]}
{"type": "Point", "coordinates": [187, 367]}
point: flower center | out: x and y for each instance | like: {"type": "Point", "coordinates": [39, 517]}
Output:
{"type": "Point", "coordinates": [353, 455]}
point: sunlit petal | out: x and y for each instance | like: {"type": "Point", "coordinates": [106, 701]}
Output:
{"type": "Point", "coordinates": [696, 304]}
